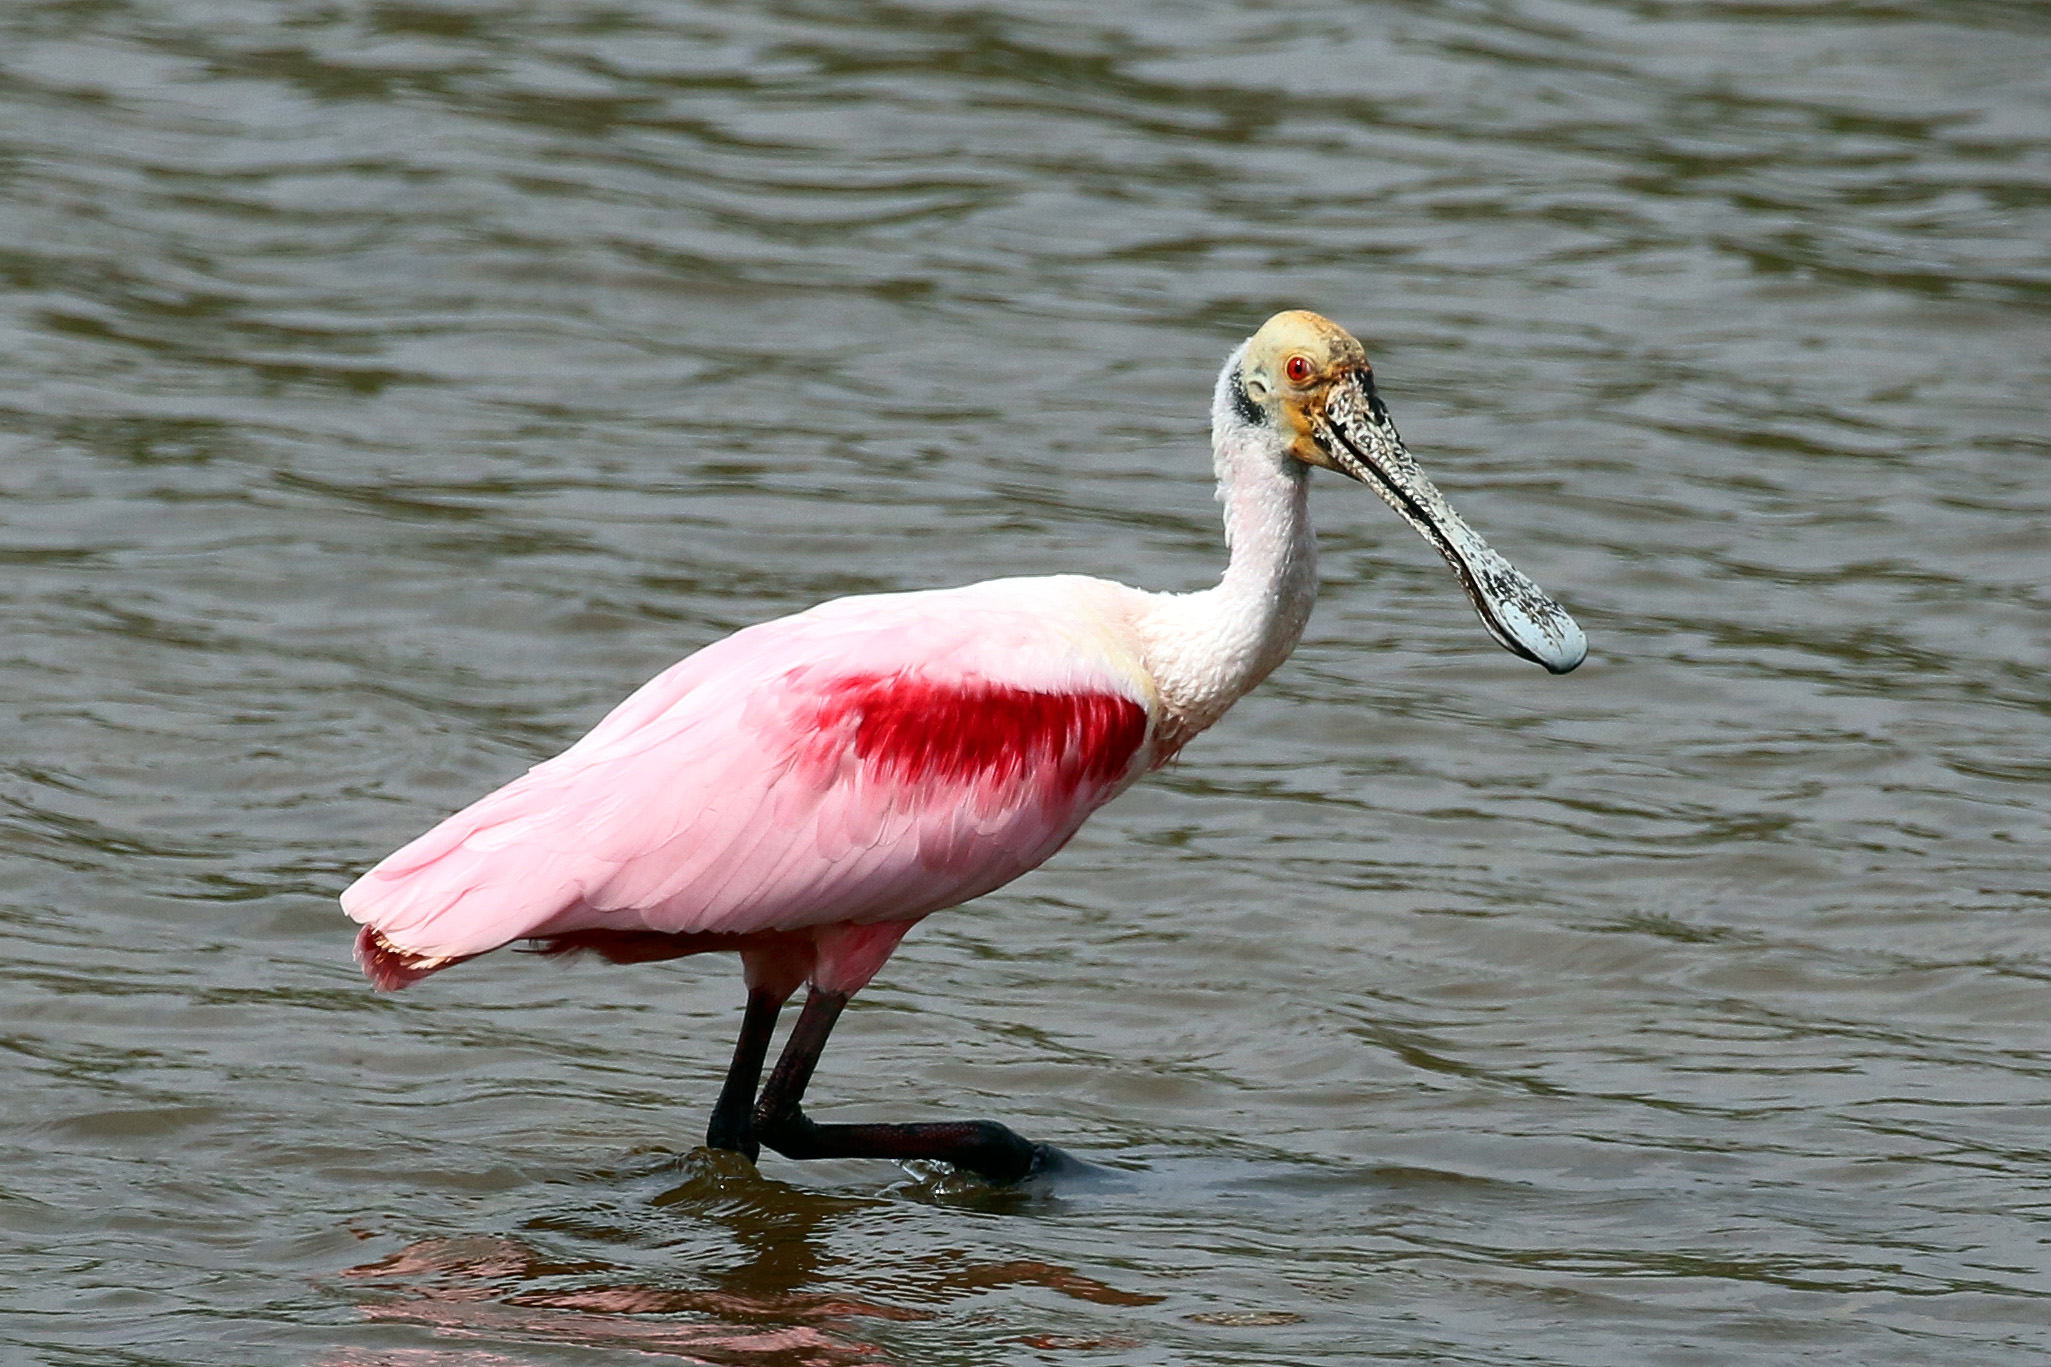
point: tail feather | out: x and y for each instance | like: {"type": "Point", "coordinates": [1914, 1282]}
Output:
{"type": "Point", "coordinates": [390, 968]}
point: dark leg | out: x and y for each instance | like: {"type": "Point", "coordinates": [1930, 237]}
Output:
{"type": "Point", "coordinates": [730, 1127]}
{"type": "Point", "coordinates": [981, 1146]}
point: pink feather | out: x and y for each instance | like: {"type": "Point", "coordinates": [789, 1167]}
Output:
{"type": "Point", "coordinates": [873, 760]}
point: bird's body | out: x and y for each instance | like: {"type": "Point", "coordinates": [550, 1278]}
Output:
{"type": "Point", "coordinates": [873, 759]}
{"type": "Point", "coordinates": [806, 790]}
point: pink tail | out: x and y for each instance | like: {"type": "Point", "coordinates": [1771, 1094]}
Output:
{"type": "Point", "coordinates": [389, 967]}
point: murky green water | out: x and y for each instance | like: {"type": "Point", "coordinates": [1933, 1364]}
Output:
{"type": "Point", "coordinates": [385, 389]}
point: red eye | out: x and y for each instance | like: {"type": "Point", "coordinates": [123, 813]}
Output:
{"type": "Point", "coordinates": [1297, 368]}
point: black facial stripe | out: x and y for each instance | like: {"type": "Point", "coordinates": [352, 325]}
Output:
{"type": "Point", "coordinates": [1376, 409]}
{"type": "Point", "coordinates": [1242, 404]}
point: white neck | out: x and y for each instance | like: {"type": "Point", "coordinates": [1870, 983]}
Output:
{"type": "Point", "coordinates": [1206, 650]}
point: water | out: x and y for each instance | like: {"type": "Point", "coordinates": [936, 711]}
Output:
{"type": "Point", "coordinates": [390, 388]}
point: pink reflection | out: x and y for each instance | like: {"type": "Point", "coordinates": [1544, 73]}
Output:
{"type": "Point", "coordinates": [788, 1303]}
{"type": "Point", "coordinates": [469, 1287]}
{"type": "Point", "coordinates": [423, 1357]}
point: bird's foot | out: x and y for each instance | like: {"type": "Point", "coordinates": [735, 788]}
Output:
{"type": "Point", "coordinates": [734, 1134]}
{"type": "Point", "coordinates": [992, 1151]}
{"type": "Point", "coordinates": [1049, 1161]}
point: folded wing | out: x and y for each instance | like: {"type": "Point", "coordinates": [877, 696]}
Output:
{"type": "Point", "coordinates": [876, 759]}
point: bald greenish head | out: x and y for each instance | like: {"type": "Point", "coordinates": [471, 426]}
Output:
{"type": "Point", "coordinates": [1308, 382]}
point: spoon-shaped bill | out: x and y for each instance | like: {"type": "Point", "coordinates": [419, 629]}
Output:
{"type": "Point", "coordinates": [1356, 435]}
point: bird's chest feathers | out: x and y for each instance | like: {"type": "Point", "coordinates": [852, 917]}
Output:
{"type": "Point", "coordinates": [1205, 651]}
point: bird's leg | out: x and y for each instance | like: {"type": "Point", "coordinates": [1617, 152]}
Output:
{"type": "Point", "coordinates": [982, 1146]}
{"type": "Point", "coordinates": [730, 1127]}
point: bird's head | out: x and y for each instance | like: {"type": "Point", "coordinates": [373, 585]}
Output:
{"type": "Point", "coordinates": [1302, 387]}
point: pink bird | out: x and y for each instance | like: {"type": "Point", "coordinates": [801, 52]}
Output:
{"type": "Point", "coordinates": [805, 791]}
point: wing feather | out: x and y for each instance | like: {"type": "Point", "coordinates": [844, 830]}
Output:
{"type": "Point", "coordinates": [876, 758]}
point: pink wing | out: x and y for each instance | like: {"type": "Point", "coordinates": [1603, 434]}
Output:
{"type": "Point", "coordinates": [874, 759]}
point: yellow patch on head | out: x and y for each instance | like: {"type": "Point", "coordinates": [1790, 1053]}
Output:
{"type": "Point", "coordinates": [1295, 358]}
{"type": "Point", "coordinates": [1299, 333]}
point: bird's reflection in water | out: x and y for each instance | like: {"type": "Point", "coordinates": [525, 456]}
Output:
{"type": "Point", "coordinates": [787, 1301]}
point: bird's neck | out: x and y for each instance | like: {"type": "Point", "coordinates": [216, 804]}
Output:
{"type": "Point", "coordinates": [1206, 650]}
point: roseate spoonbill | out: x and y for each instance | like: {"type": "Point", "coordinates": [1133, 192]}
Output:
{"type": "Point", "coordinates": [806, 790]}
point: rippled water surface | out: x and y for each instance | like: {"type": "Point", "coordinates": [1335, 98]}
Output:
{"type": "Point", "coordinates": [387, 388]}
